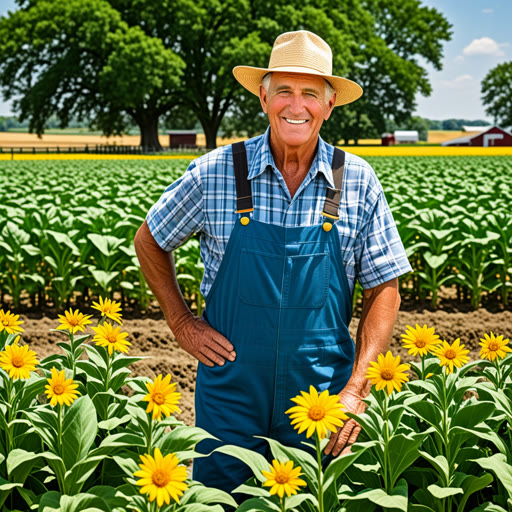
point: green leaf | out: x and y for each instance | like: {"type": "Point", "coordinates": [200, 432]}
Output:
{"type": "Point", "coordinates": [440, 463]}
{"type": "Point", "coordinates": [183, 438]}
{"type": "Point", "coordinates": [472, 413]}
{"type": "Point", "coordinates": [78, 474]}
{"type": "Point", "coordinates": [19, 464]}
{"type": "Point", "coordinates": [488, 507]}
{"type": "Point", "coordinates": [258, 505]}
{"type": "Point", "coordinates": [340, 464]}
{"type": "Point", "coordinates": [444, 492]}
{"type": "Point", "coordinates": [472, 484]}
{"type": "Point", "coordinates": [207, 495]}
{"type": "Point", "coordinates": [114, 442]}
{"type": "Point", "coordinates": [502, 471]}
{"type": "Point", "coordinates": [404, 451]}
{"type": "Point", "coordinates": [79, 429]}
{"type": "Point", "coordinates": [254, 460]}
{"type": "Point", "coordinates": [379, 496]}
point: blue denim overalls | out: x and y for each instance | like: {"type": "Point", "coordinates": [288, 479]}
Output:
{"type": "Point", "coordinates": [281, 297]}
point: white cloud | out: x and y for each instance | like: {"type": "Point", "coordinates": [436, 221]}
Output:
{"type": "Point", "coordinates": [485, 46]}
{"type": "Point", "coordinates": [487, 11]}
{"type": "Point", "coordinates": [460, 82]}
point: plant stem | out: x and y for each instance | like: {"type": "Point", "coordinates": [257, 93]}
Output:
{"type": "Point", "coordinates": [320, 474]}
{"type": "Point", "coordinates": [59, 434]}
{"type": "Point", "coordinates": [387, 469]}
{"type": "Point", "coordinates": [73, 353]}
{"type": "Point", "coordinates": [283, 508]}
{"type": "Point", "coordinates": [109, 368]}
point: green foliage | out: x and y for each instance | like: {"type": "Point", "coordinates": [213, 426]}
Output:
{"type": "Point", "coordinates": [69, 227]}
{"type": "Point", "coordinates": [497, 93]}
{"type": "Point", "coordinates": [110, 60]}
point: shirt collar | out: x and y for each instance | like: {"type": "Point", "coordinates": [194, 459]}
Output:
{"type": "Point", "coordinates": [264, 160]}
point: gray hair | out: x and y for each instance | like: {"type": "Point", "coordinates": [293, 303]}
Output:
{"type": "Point", "coordinates": [329, 90]}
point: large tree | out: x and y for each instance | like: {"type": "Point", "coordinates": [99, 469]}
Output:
{"type": "Point", "coordinates": [497, 94]}
{"type": "Point", "coordinates": [115, 60]}
{"type": "Point", "coordinates": [80, 60]}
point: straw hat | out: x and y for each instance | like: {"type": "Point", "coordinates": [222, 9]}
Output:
{"type": "Point", "coordinates": [300, 52]}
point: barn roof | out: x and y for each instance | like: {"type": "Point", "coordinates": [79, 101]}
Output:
{"type": "Point", "coordinates": [468, 138]}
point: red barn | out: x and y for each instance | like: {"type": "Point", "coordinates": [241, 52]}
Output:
{"type": "Point", "coordinates": [182, 138]}
{"type": "Point", "coordinates": [491, 136]}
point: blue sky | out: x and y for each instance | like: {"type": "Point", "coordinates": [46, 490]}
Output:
{"type": "Point", "coordinates": [481, 39]}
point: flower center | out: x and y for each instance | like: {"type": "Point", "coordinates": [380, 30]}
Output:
{"type": "Point", "coordinates": [387, 374]}
{"type": "Point", "coordinates": [58, 389]}
{"type": "Point", "coordinates": [316, 413]}
{"type": "Point", "coordinates": [158, 398]}
{"type": "Point", "coordinates": [111, 338]}
{"type": "Point", "coordinates": [282, 477]}
{"type": "Point", "coordinates": [450, 354]}
{"type": "Point", "coordinates": [420, 343]}
{"type": "Point", "coordinates": [17, 361]}
{"type": "Point", "coordinates": [160, 477]}
{"type": "Point", "coordinates": [73, 321]}
{"type": "Point", "coordinates": [494, 346]}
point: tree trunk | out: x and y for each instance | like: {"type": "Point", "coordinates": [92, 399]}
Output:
{"type": "Point", "coordinates": [148, 124]}
{"type": "Point", "coordinates": [210, 133]}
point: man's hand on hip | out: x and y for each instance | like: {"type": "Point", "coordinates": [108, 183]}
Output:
{"type": "Point", "coordinates": [345, 436]}
{"type": "Point", "coordinates": [205, 343]}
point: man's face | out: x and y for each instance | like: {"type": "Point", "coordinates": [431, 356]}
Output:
{"type": "Point", "coordinates": [296, 106]}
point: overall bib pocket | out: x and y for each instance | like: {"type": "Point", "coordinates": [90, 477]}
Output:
{"type": "Point", "coordinates": [284, 281]}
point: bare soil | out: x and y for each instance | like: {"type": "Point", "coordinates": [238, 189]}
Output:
{"type": "Point", "coordinates": [152, 340]}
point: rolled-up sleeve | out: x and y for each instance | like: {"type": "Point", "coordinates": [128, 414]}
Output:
{"type": "Point", "coordinates": [379, 253]}
{"type": "Point", "coordinates": [178, 214]}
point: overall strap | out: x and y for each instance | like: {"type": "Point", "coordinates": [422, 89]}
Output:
{"type": "Point", "coordinates": [333, 195]}
{"type": "Point", "coordinates": [243, 185]}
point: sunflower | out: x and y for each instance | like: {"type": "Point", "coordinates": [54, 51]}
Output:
{"type": "Point", "coordinates": [283, 478]}
{"type": "Point", "coordinates": [161, 477]}
{"type": "Point", "coordinates": [420, 341]}
{"type": "Point", "coordinates": [73, 321]}
{"type": "Point", "coordinates": [18, 361]}
{"type": "Point", "coordinates": [9, 322]}
{"type": "Point", "coordinates": [451, 355]}
{"type": "Point", "coordinates": [109, 308]}
{"type": "Point", "coordinates": [387, 373]}
{"type": "Point", "coordinates": [317, 412]}
{"type": "Point", "coordinates": [162, 397]}
{"type": "Point", "coordinates": [59, 390]}
{"type": "Point", "coordinates": [494, 347]}
{"type": "Point", "coordinates": [109, 336]}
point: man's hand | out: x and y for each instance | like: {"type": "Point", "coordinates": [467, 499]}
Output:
{"type": "Point", "coordinates": [205, 343]}
{"type": "Point", "coordinates": [341, 440]}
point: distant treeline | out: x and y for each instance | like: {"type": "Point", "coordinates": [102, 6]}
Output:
{"type": "Point", "coordinates": [454, 124]}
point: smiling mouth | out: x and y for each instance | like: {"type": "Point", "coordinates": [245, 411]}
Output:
{"type": "Point", "coordinates": [295, 121]}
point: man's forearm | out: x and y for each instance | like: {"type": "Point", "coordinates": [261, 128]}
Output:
{"type": "Point", "coordinates": [380, 309]}
{"type": "Point", "coordinates": [160, 273]}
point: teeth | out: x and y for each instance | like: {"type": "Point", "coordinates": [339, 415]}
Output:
{"type": "Point", "coordinates": [295, 121]}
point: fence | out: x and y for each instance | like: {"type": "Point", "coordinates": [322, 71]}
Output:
{"type": "Point", "coordinates": [97, 150]}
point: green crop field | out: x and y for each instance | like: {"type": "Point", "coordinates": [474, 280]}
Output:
{"type": "Point", "coordinates": [66, 228]}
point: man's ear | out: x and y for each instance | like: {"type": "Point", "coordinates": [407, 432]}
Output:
{"type": "Point", "coordinates": [330, 107]}
{"type": "Point", "coordinates": [263, 98]}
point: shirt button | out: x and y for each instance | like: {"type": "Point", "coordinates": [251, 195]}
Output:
{"type": "Point", "coordinates": [244, 221]}
{"type": "Point", "coordinates": [327, 226]}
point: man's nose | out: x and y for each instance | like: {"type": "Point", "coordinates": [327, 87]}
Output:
{"type": "Point", "coordinates": [296, 104]}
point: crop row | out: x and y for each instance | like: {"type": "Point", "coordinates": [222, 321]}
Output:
{"type": "Point", "coordinates": [66, 228]}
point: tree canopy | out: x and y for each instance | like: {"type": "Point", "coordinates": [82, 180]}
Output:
{"type": "Point", "coordinates": [119, 62]}
{"type": "Point", "coordinates": [497, 94]}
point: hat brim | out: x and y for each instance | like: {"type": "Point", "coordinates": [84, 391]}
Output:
{"type": "Point", "coordinates": [347, 91]}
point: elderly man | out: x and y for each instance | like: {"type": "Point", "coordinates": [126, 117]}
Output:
{"type": "Point", "coordinates": [287, 224]}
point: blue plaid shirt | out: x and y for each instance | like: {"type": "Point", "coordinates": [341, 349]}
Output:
{"type": "Point", "coordinates": [204, 200]}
